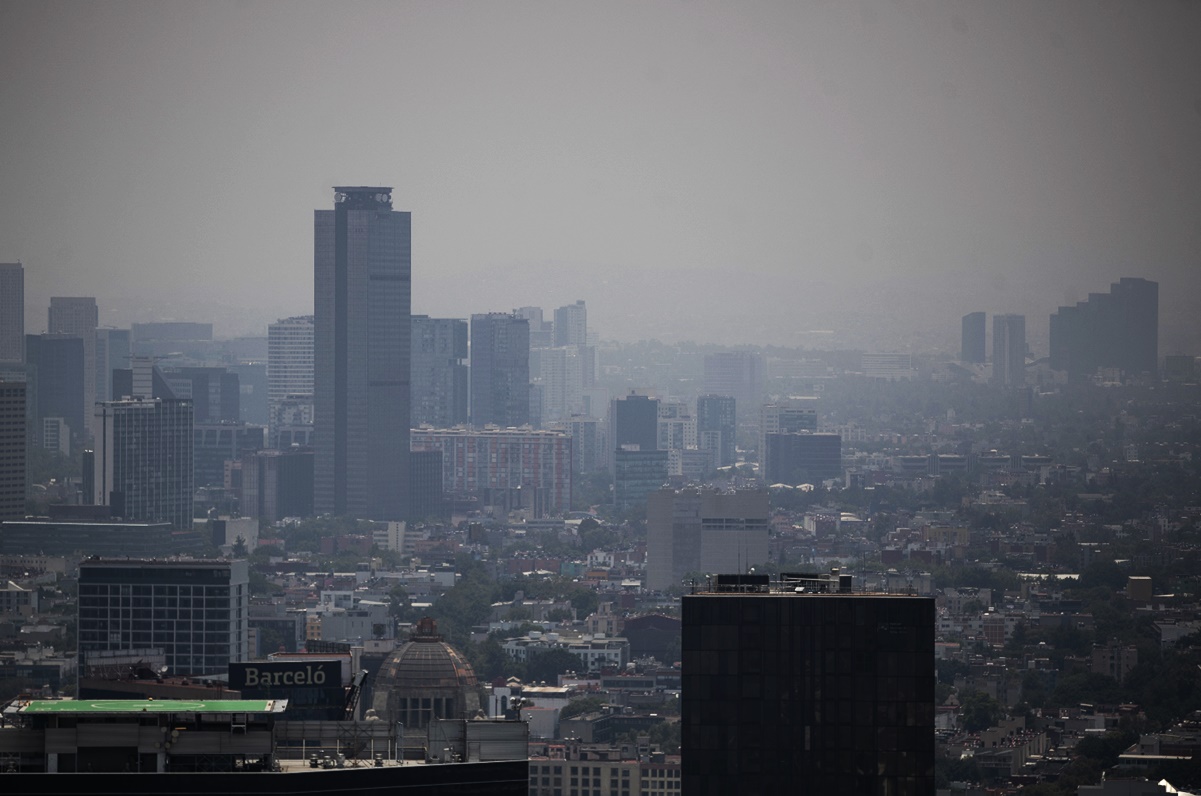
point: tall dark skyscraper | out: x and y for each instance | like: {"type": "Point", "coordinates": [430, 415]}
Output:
{"type": "Point", "coordinates": [972, 348]}
{"type": "Point", "coordinates": [1118, 329]}
{"type": "Point", "coordinates": [12, 450]}
{"type": "Point", "coordinates": [362, 323]}
{"type": "Point", "coordinates": [12, 312]}
{"type": "Point", "coordinates": [1009, 350]}
{"type": "Point", "coordinates": [500, 370]}
{"type": "Point", "coordinates": [789, 691]}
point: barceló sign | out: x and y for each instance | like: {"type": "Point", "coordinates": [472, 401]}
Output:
{"type": "Point", "coordinates": [284, 675]}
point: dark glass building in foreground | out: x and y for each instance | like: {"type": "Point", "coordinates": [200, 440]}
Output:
{"type": "Point", "coordinates": [788, 691]}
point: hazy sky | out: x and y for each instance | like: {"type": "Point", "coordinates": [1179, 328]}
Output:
{"type": "Point", "coordinates": [723, 172]}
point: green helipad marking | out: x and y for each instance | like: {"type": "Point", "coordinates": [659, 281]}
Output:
{"type": "Point", "coordinates": [151, 706]}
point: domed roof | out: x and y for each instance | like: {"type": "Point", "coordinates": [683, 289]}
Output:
{"type": "Point", "coordinates": [425, 662]}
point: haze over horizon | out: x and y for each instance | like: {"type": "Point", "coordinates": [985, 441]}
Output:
{"type": "Point", "coordinates": [726, 173]}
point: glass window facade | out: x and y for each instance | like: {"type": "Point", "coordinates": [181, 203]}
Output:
{"type": "Point", "coordinates": [808, 694]}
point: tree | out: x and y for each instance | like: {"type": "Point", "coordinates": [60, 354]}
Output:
{"type": "Point", "coordinates": [239, 548]}
{"type": "Point", "coordinates": [979, 711]}
{"type": "Point", "coordinates": [578, 707]}
{"type": "Point", "coordinates": [547, 666]}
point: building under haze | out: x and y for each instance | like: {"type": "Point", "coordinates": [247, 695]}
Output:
{"type": "Point", "coordinates": [716, 424]}
{"type": "Point", "coordinates": [77, 316]}
{"type": "Point", "coordinates": [1118, 329]}
{"type": "Point", "coordinates": [55, 367]}
{"type": "Point", "coordinates": [703, 531]}
{"type": "Point", "coordinates": [633, 423]}
{"type": "Point", "coordinates": [12, 313]}
{"type": "Point", "coordinates": [361, 329]}
{"type": "Point", "coordinates": [500, 370]}
{"type": "Point", "coordinates": [972, 347]}
{"type": "Point", "coordinates": [439, 372]}
{"type": "Point", "coordinates": [507, 467]}
{"type": "Point", "coordinates": [801, 686]}
{"type": "Point", "coordinates": [801, 458]}
{"type": "Point", "coordinates": [142, 467]}
{"type": "Point", "coordinates": [112, 353]}
{"type": "Point", "coordinates": [741, 374]}
{"type": "Point", "coordinates": [12, 450]}
{"type": "Point", "coordinates": [571, 325]}
{"type": "Point", "coordinates": [290, 379]}
{"type": "Point", "coordinates": [1009, 350]}
{"type": "Point", "coordinates": [790, 415]}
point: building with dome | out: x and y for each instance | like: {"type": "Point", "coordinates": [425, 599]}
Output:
{"type": "Point", "coordinates": [425, 678]}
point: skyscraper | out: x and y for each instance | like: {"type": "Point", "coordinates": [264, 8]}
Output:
{"type": "Point", "coordinates": [571, 325]}
{"type": "Point", "coordinates": [500, 370]}
{"type": "Point", "coordinates": [972, 347]}
{"type": "Point", "coordinates": [55, 366]}
{"type": "Point", "coordinates": [12, 312]}
{"type": "Point", "coordinates": [633, 425]}
{"type": "Point", "coordinates": [439, 373]}
{"type": "Point", "coordinates": [1009, 350]}
{"type": "Point", "coordinates": [78, 317]}
{"type": "Point", "coordinates": [142, 467]}
{"type": "Point", "coordinates": [716, 424]}
{"type": "Point", "coordinates": [290, 358]}
{"type": "Point", "coordinates": [803, 687]}
{"type": "Point", "coordinates": [290, 381]}
{"type": "Point", "coordinates": [12, 450]}
{"type": "Point", "coordinates": [361, 329]}
{"type": "Point", "coordinates": [112, 353]}
{"type": "Point", "coordinates": [1118, 329]}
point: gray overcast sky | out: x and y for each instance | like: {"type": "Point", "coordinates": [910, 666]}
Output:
{"type": "Point", "coordinates": [726, 172]}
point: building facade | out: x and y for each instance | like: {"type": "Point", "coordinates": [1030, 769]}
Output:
{"type": "Point", "coordinates": [1118, 329]}
{"type": "Point", "coordinates": [972, 348]}
{"type": "Point", "coordinates": [716, 425]}
{"type": "Point", "coordinates": [788, 691]}
{"type": "Point", "coordinates": [500, 370]}
{"type": "Point", "coordinates": [12, 450]}
{"type": "Point", "coordinates": [440, 372]}
{"type": "Point", "coordinates": [143, 466]}
{"type": "Point", "coordinates": [290, 378]}
{"type": "Point", "coordinates": [1009, 350]}
{"type": "Point", "coordinates": [12, 313]}
{"type": "Point", "coordinates": [703, 530]}
{"type": "Point", "coordinates": [638, 473]}
{"type": "Point", "coordinates": [742, 374]}
{"type": "Point", "coordinates": [511, 468]}
{"type": "Point", "coordinates": [55, 366]}
{"type": "Point", "coordinates": [361, 329]}
{"type": "Point", "coordinates": [802, 458]}
{"type": "Point", "coordinates": [197, 612]}
{"type": "Point", "coordinates": [571, 325]}
{"type": "Point", "coordinates": [77, 316]}
{"type": "Point", "coordinates": [633, 424]}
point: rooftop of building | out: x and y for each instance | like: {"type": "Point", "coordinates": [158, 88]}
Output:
{"type": "Point", "coordinates": [834, 583]}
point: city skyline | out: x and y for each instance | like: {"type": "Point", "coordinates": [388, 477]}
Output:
{"type": "Point", "coordinates": [899, 165]}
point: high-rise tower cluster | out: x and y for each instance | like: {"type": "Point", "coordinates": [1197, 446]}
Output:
{"type": "Point", "coordinates": [1118, 329]}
